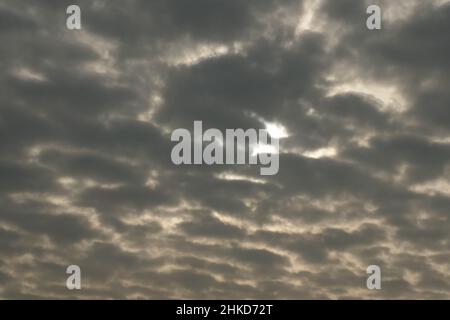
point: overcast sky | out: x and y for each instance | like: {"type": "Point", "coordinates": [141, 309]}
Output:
{"type": "Point", "coordinates": [85, 170]}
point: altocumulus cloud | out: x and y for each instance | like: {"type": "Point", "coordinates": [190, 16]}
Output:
{"type": "Point", "coordinates": [85, 170]}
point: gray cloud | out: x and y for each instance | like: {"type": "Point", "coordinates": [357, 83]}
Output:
{"type": "Point", "coordinates": [85, 170]}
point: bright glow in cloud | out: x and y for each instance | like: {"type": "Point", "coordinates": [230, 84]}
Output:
{"type": "Point", "coordinates": [264, 148]}
{"type": "Point", "coordinates": [387, 94]}
{"type": "Point", "coordinates": [276, 131]}
{"type": "Point", "coordinates": [321, 153]}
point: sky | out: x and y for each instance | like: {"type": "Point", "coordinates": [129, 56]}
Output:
{"type": "Point", "coordinates": [86, 176]}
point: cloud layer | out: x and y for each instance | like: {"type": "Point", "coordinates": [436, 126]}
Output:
{"type": "Point", "coordinates": [85, 170]}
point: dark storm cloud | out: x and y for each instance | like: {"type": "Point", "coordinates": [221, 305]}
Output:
{"type": "Point", "coordinates": [203, 20]}
{"type": "Point", "coordinates": [314, 248]}
{"type": "Point", "coordinates": [411, 53]}
{"type": "Point", "coordinates": [22, 178]}
{"type": "Point", "coordinates": [210, 227]}
{"type": "Point", "coordinates": [425, 159]}
{"type": "Point", "coordinates": [11, 21]}
{"type": "Point", "coordinates": [355, 110]}
{"type": "Point", "coordinates": [90, 165]}
{"type": "Point", "coordinates": [226, 91]}
{"type": "Point", "coordinates": [86, 176]}
{"type": "Point", "coordinates": [40, 218]}
{"type": "Point", "coordinates": [431, 108]}
{"type": "Point", "coordinates": [122, 198]}
{"type": "Point", "coordinates": [9, 240]}
{"type": "Point", "coordinates": [219, 194]}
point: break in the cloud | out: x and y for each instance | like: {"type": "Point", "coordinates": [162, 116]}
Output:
{"type": "Point", "coordinates": [85, 170]}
